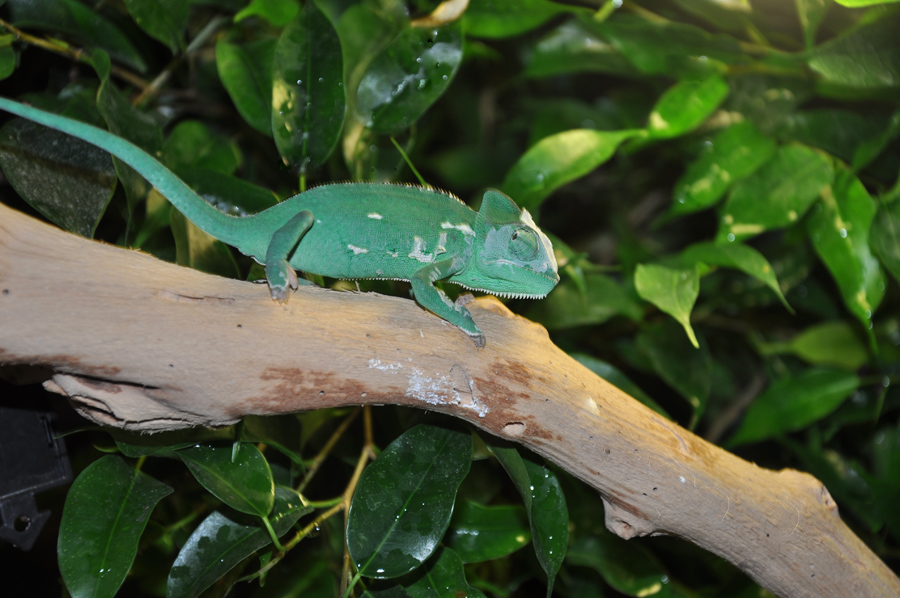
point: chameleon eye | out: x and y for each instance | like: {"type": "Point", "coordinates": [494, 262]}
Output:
{"type": "Point", "coordinates": [523, 244]}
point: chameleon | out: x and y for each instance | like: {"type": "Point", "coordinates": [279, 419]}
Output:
{"type": "Point", "coordinates": [362, 231]}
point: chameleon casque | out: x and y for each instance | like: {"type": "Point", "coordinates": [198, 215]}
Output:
{"type": "Point", "coordinates": [362, 231]}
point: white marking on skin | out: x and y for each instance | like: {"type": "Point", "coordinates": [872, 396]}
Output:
{"type": "Point", "coordinates": [385, 367]}
{"type": "Point", "coordinates": [463, 228]}
{"type": "Point", "coordinates": [439, 391]}
{"type": "Point", "coordinates": [375, 216]}
{"type": "Point", "coordinates": [393, 253]}
{"type": "Point", "coordinates": [442, 244]}
{"type": "Point", "coordinates": [357, 250]}
{"type": "Point", "coordinates": [418, 252]}
{"type": "Point", "coordinates": [379, 272]}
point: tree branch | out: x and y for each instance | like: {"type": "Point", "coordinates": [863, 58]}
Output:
{"type": "Point", "coordinates": [145, 345]}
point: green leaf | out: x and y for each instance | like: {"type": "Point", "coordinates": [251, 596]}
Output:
{"type": "Point", "coordinates": [106, 511]}
{"type": "Point", "coordinates": [481, 533]}
{"type": "Point", "coordinates": [685, 105]}
{"type": "Point", "coordinates": [601, 298]}
{"type": "Point", "coordinates": [7, 61]}
{"type": "Point", "coordinates": [575, 46]}
{"type": "Point", "coordinates": [73, 18]}
{"type": "Point", "coordinates": [404, 500]}
{"type": "Point", "coordinates": [628, 567]}
{"type": "Point", "coordinates": [859, 3]}
{"type": "Point", "coordinates": [557, 160]}
{"type": "Point", "coordinates": [408, 77]}
{"type": "Point", "coordinates": [839, 230]}
{"type": "Point", "coordinates": [64, 178]}
{"type": "Point", "coordinates": [246, 73]}
{"type": "Point", "coordinates": [277, 12]}
{"type": "Point", "coordinates": [443, 575]}
{"type": "Point", "coordinates": [228, 194]}
{"type": "Point", "coordinates": [776, 195]}
{"type": "Point", "coordinates": [220, 542]}
{"type": "Point", "coordinates": [835, 344]}
{"type": "Point", "coordinates": [163, 20]}
{"type": "Point", "coordinates": [673, 291]}
{"type": "Point", "coordinates": [281, 432]}
{"type": "Point", "coordinates": [545, 505]}
{"type": "Point", "coordinates": [240, 479]}
{"type": "Point", "coordinates": [731, 155]}
{"type": "Point", "coordinates": [884, 237]}
{"type": "Point", "coordinates": [865, 58]}
{"type": "Point", "coordinates": [738, 256]}
{"type": "Point", "coordinates": [811, 13]}
{"type": "Point", "coordinates": [199, 250]}
{"type": "Point", "coordinates": [495, 19]}
{"type": "Point", "coordinates": [615, 377]}
{"type": "Point", "coordinates": [794, 403]}
{"type": "Point", "coordinates": [308, 102]}
{"type": "Point", "coordinates": [842, 133]}
{"type": "Point", "coordinates": [682, 367]}
{"type": "Point", "coordinates": [191, 144]}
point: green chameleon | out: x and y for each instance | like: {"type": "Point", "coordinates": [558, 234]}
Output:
{"type": "Point", "coordinates": [362, 230]}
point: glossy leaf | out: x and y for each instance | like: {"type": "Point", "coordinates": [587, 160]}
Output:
{"type": "Point", "coordinates": [685, 105]}
{"type": "Point", "coordinates": [628, 567]}
{"type": "Point", "coordinates": [308, 102]}
{"type": "Point", "coordinates": [614, 376]}
{"type": "Point", "coordinates": [737, 256]}
{"type": "Point", "coordinates": [507, 18]}
{"type": "Point", "coordinates": [191, 144]}
{"type": "Point", "coordinates": [483, 533]}
{"type": "Point", "coordinates": [575, 46]}
{"type": "Point", "coordinates": [601, 298]}
{"type": "Point", "coordinates": [729, 156]}
{"type": "Point", "coordinates": [246, 73]}
{"type": "Point", "coordinates": [560, 159]}
{"type": "Point", "coordinates": [241, 479]}
{"type": "Point", "coordinates": [408, 77]}
{"type": "Point", "coordinates": [674, 291]}
{"type": "Point", "coordinates": [866, 57]}
{"type": "Point", "coordinates": [839, 230]}
{"type": "Point", "coordinates": [106, 511]}
{"type": "Point", "coordinates": [681, 366]}
{"type": "Point", "coordinates": [794, 403]}
{"type": "Point", "coordinates": [443, 575]}
{"type": "Point", "coordinates": [545, 505]}
{"type": "Point", "coordinates": [776, 195]}
{"type": "Point", "coordinates": [164, 20]}
{"type": "Point", "coordinates": [277, 12]}
{"type": "Point", "coordinates": [220, 542]}
{"type": "Point", "coordinates": [884, 237]}
{"type": "Point", "coordinates": [283, 433]}
{"type": "Point", "coordinates": [64, 178]}
{"type": "Point", "coordinates": [82, 22]}
{"type": "Point", "coordinates": [404, 501]}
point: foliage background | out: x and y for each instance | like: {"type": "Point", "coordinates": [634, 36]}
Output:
{"type": "Point", "coordinates": [720, 179]}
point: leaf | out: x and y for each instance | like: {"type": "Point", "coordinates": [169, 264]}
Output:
{"type": "Point", "coordinates": [308, 102]}
{"type": "Point", "coordinates": [884, 237]}
{"type": "Point", "coordinates": [240, 479]}
{"type": "Point", "coordinates": [64, 178]}
{"type": "Point", "coordinates": [106, 511]}
{"type": "Point", "coordinates": [557, 160]}
{"type": "Point", "coordinates": [859, 3]}
{"type": "Point", "coordinates": [545, 506]}
{"type": "Point", "coordinates": [673, 291]}
{"type": "Point", "coordinates": [615, 377]}
{"type": "Point", "coordinates": [443, 575]}
{"type": "Point", "coordinates": [834, 344]}
{"type": "Point", "coordinates": [627, 567]}
{"type": "Point", "coordinates": [575, 46]}
{"type": "Point", "coordinates": [685, 369]}
{"type": "Point", "coordinates": [601, 298]}
{"type": "Point", "coordinates": [226, 193]}
{"type": "Point", "coordinates": [811, 13]}
{"type": "Point", "coordinates": [731, 155]}
{"type": "Point", "coordinates": [191, 144]}
{"type": "Point", "coordinates": [776, 195]}
{"type": "Point", "coordinates": [7, 61]}
{"type": "Point", "coordinates": [163, 20]}
{"type": "Point", "coordinates": [842, 133]}
{"type": "Point", "coordinates": [793, 404]}
{"type": "Point", "coordinates": [410, 75]}
{"type": "Point", "coordinates": [404, 500]}
{"type": "Point", "coordinates": [481, 533]}
{"type": "Point", "coordinates": [738, 256]}
{"type": "Point", "coordinates": [246, 73]}
{"type": "Point", "coordinates": [73, 18]}
{"type": "Point", "coordinates": [865, 58]}
{"type": "Point", "coordinates": [277, 12]}
{"type": "Point", "coordinates": [839, 230]}
{"type": "Point", "coordinates": [685, 106]}
{"type": "Point", "coordinates": [197, 249]}
{"type": "Point", "coordinates": [496, 19]}
{"type": "Point", "coordinates": [219, 543]}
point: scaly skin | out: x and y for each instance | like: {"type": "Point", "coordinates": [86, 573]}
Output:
{"type": "Point", "coordinates": [362, 230]}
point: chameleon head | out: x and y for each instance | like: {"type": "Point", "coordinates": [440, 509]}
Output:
{"type": "Point", "coordinates": [511, 257]}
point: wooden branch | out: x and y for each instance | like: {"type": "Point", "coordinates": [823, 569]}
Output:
{"type": "Point", "coordinates": [145, 345]}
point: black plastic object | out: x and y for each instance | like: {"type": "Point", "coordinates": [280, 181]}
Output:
{"type": "Point", "coordinates": [32, 460]}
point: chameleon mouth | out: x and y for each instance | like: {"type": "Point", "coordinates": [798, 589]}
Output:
{"type": "Point", "coordinates": [503, 294]}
